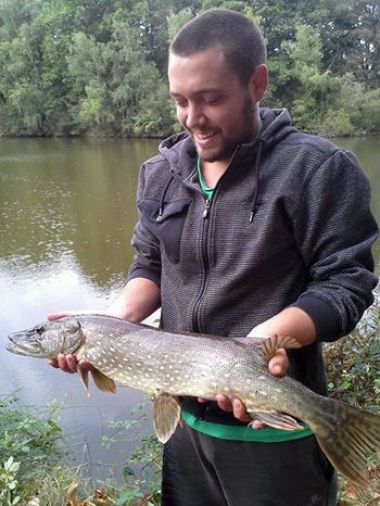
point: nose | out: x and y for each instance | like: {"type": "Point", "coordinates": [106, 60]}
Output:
{"type": "Point", "coordinates": [195, 116]}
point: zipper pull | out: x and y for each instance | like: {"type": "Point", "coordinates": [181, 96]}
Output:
{"type": "Point", "coordinates": [206, 209]}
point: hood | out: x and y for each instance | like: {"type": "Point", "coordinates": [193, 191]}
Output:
{"type": "Point", "coordinates": [275, 127]}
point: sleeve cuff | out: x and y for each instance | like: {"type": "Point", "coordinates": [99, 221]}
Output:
{"type": "Point", "coordinates": [140, 272]}
{"type": "Point", "coordinates": [326, 320]}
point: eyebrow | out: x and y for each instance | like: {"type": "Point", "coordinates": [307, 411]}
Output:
{"type": "Point", "coordinates": [199, 92]}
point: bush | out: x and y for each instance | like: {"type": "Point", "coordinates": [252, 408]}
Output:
{"type": "Point", "coordinates": [336, 123]}
{"type": "Point", "coordinates": [353, 367]}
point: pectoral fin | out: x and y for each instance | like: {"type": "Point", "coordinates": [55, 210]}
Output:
{"type": "Point", "coordinates": [166, 416]}
{"type": "Point", "coordinates": [269, 346]}
{"type": "Point", "coordinates": [83, 375]}
{"type": "Point", "coordinates": [276, 420]}
{"type": "Point", "coordinates": [103, 382]}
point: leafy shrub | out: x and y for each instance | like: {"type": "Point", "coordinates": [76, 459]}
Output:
{"type": "Point", "coordinates": [336, 123]}
{"type": "Point", "coordinates": [353, 367]}
{"type": "Point", "coordinates": [31, 456]}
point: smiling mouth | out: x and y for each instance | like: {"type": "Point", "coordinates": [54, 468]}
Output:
{"type": "Point", "coordinates": [204, 137]}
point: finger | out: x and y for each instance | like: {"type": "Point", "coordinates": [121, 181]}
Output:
{"type": "Point", "coordinates": [239, 411]}
{"type": "Point", "coordinates": [71, 362]}
{"type": "Point", "coordinates": [279, 363]}
{"type": "Point", "coordinates": [62, 363]}
{"type": "Point", "coordinates": [61, 314]}
{"type": "Point", "coordinates": [258, 425]}
{"type": "Point", "coordinates": [57, 315]}
{"type": "Point", "coordinates": [202, 400]}
{"type": "Point", "coordinates": [53, 362]}
{"type": "Point", "coordinates": [223, 402]}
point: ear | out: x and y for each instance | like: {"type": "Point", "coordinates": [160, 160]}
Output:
{"type": "Point", "coordinates": [258, 83]}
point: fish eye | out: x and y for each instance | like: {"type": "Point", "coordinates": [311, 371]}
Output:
{"type": "Point", "coordinates": [39, 330]}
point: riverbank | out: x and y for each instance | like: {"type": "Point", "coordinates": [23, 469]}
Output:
{"type": "Point", "coordinates": [327, 131]}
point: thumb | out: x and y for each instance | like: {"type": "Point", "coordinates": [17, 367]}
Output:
{"type": "Point", "coordinates": [279, 364]}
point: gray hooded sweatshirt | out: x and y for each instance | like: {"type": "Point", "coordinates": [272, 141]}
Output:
{"type": "Point", "coordinates": [289, 224]}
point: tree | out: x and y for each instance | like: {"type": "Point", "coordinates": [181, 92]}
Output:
{"type": "Point", "coordinates": [352, 41]}
{"type": "Point", "coordinates": [316, 88]}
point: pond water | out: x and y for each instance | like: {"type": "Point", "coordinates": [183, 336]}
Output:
{"type": "Point", "coordinates": [67, 211]}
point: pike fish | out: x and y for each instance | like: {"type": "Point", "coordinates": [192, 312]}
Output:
{"type": "Point", "coordinates": [169, 365]}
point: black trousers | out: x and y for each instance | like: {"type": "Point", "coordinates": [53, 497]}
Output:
{"type": "Point", "coordinates": [200, 470]}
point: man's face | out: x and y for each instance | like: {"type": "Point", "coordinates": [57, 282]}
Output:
{"type": "Point", "coordinates": [212, 105]}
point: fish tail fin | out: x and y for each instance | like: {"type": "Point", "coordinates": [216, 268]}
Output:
{"type": "Point", "coordinates": [348, 436]}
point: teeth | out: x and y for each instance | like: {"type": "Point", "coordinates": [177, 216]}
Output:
{"type": "Point", "coordinates": [204, 137]}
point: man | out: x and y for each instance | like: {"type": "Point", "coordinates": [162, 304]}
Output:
{"type": "Point", "coordinates": [246, 227]}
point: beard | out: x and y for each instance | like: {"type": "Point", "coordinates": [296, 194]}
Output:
{"type": "Point", "coordinates": [246, 133]}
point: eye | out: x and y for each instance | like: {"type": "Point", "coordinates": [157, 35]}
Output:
{"type": "Point", "coordinates": [39, 330]}
{"type": "Point", "coordinates": [180, 103]}
{"type": "Point", "coordinates": [213, 99]}
{"type": "Point", "coordinates": [179, 100]}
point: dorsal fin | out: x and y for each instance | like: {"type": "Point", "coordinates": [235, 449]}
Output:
{"type": "Point", "coordinates": [269, 346]}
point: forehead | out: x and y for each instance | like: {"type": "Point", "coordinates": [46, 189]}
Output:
{"type": "Point", "coordinates": [201, 71]}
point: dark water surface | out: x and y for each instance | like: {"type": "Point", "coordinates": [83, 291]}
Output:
{"type": "Point", "coordinates": [67, 211]}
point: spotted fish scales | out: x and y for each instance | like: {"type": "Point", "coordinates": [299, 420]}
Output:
{"type": "Point", "coordinates": [170, 365]}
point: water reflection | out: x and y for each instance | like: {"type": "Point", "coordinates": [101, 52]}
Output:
{"type": "Point", "coordinates": [70, 196]}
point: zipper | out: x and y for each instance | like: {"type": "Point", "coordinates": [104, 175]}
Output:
{"type": "Point", "coordinates": [196, 323]}
{"type": "Point", "coordinates": [206, 209]}
{"type": "Point", "coordinates": [204, 265]}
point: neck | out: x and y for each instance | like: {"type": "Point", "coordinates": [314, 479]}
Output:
{"type": "Point", "coordinates": [213, 171]}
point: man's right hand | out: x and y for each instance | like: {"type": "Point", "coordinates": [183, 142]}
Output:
{"type": "Point", "coordinates": [69, 362]}
{"type": "Point", "coordinates": [138, 299]}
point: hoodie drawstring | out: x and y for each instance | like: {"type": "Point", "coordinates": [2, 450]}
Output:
{"type": "Point", "coordinates": [257, 179]}
{"type": "Point", "coordinates": [162, 201]}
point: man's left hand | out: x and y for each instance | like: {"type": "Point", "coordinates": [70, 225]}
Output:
{"type": "Point", "coordinates": [278, 366]}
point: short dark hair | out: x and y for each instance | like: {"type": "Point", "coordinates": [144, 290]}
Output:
{"type": "Point", "coordinates": [240, 40]}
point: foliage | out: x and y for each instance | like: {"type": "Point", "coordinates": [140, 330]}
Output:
{"type": "Point", "coordinates": [8, 483]}
{"type": "Point", "coordinates": [98, 67]}
{"type": "Point", "coordinates": [31, 456]}
{"type": "Point", "coordinates": [142, 472]}
{"type": "Point", "coordinates": [354, 376]}
{"type": "Point", "coordinates": [353, 363]}
{"type": "Point", "coordinates": [34, 466]}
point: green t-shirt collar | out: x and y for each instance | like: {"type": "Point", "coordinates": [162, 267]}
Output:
{"type": "Point", "coordinates": [206, 190]}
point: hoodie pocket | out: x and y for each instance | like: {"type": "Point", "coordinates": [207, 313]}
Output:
{"type": "Point", "coordinates": [166, 224]}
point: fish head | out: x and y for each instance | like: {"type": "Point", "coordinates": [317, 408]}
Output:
{"type": "Point", "coordinates": [48, 339]}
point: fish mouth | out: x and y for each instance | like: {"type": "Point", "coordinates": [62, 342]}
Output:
{"type": "Point", "coordinates": [24, 343]}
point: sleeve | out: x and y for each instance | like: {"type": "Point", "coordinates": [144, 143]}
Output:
{"type": "Point", "coordinates": [334, 230]}
{"type": "Point", "coordinates": [147, 259]}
